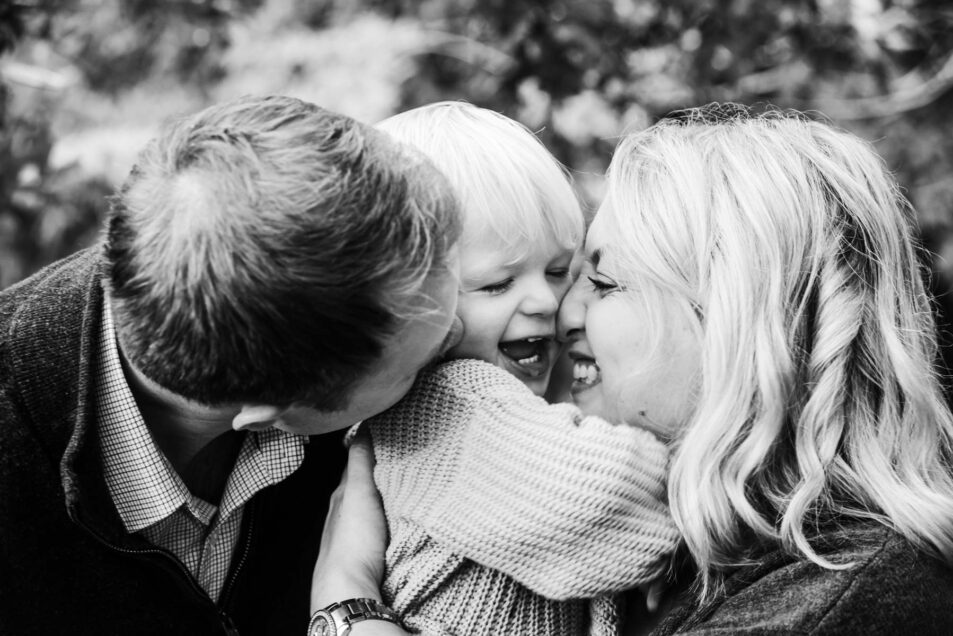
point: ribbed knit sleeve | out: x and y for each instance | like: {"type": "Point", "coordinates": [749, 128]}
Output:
{"type": "Point", "coordinates": [569, 506]}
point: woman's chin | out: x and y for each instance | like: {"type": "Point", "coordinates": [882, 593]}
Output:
{"type": "Point", "coordinates": [589, 398]}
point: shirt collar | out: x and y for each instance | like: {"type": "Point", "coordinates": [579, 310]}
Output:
{"type": "Point", "coordinates": [142, 482]}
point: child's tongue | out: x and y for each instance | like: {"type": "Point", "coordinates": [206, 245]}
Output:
{"type": "Point", "coordinates": [520, 349]}
{"type": "Point", "coordinates": [526, 359]}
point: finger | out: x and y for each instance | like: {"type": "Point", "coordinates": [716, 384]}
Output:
{"type": "Point", "coordinates": [360, 459]}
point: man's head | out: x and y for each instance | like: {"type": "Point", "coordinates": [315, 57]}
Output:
{"type": "Point", "coordinates": [268, 251]}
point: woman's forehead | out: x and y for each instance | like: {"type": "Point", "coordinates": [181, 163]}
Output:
{"type": "Point", "coordinates": [596, 236]}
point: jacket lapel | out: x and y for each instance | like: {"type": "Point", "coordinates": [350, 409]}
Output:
{"type": "Point", "coordinates": [54, 335]}
{"type": "Point", "coordinates": [54, 330]}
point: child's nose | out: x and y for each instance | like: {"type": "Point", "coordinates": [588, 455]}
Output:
{"type": "Point", "coordinates": [541, 300]}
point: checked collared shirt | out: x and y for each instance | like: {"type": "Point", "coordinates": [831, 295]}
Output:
{"type": "Point", "coordinates": [151, 498]}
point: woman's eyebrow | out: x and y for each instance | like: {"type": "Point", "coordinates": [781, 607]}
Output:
{"type": "Point", "coordinates": [595, 257]}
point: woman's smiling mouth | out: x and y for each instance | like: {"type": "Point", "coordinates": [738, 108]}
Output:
{"type": "Point", "coordinates": [585, 372]}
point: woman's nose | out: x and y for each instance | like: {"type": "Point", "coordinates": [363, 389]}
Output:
{"type": "Point", "coordinates": [571, 319]}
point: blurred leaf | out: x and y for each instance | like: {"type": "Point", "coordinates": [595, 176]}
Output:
{"type": "Point", "coordinates": [11, 25]}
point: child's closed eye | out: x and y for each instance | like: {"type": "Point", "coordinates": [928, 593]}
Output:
{"type": "Point", "coordinates": [498, 287]}
{"type": "Point", "coordinates": [559, 273]}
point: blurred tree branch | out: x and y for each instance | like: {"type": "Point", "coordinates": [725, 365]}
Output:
{"type": "Point", "coordinates": [32, 76]}
{"type": "Point", "coordinates": [888, 106]}
{"type": "Point", "coordinates": [467, 50]}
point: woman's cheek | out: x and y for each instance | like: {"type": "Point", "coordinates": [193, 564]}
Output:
{"type": "Point", "coordinates": [658, 397]}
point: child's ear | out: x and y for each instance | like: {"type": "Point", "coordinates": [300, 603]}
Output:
{"type": "Point", "coordinates": [257, 417]}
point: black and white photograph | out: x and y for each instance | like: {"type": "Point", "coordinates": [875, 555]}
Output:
{"type": "Point", "coordinates": [476, 317]}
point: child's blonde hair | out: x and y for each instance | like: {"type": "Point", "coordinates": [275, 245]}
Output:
{"type": "Point", "coordinates": [818, 402]}
{"type": "Point", "coordinates": [508, 183]}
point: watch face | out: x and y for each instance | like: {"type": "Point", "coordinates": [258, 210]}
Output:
{"type": "Point", "coordinates": [321, 627]}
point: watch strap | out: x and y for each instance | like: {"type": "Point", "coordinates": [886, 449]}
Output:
{"type": "Point", "coordinates": [344, 614]}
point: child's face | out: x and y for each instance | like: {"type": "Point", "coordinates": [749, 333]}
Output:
{"type": "Point", "coordinates": [508, 302]}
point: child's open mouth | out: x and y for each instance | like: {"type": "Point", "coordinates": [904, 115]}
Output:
{"type": "Point", "coordinates": [528, 357]}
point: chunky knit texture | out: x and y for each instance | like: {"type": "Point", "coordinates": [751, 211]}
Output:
{"type": "Point", "coordinates": [506, 513]}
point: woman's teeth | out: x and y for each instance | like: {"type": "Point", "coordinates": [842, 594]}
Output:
{"type": "Point", "coordinates": [585, 372]}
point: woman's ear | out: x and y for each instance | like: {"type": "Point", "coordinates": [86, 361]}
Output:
{"type": "Point", "coordinates": [257, 417]}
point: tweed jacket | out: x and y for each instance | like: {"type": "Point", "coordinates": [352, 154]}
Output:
{"type": "Point", "coordinates": [67, 564]}
{"type": "Point", "coordinates": [892, 589]}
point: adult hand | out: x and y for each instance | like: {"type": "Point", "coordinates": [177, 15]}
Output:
{"type": "Point", "coordinates": [351, 561]}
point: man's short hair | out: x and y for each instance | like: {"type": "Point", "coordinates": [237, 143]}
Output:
{"type": "Point", "coordinates": [265, 249]}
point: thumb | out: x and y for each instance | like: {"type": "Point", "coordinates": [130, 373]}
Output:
{"type": "Point", "coordinates": [360, 459]}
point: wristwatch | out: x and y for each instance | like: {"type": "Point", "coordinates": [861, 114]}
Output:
{"type": "Point", "coordinates": [337, 618]}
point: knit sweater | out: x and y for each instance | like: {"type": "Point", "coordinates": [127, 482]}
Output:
{"type": "Point", "coordinates": [506, 513]}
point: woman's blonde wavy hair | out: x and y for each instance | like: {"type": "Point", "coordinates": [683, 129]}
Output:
{"type": "Point", "coordinates": [818, 403]}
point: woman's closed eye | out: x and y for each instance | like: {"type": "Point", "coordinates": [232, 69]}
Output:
{"type": "Point", "coordinates": [602, 285]}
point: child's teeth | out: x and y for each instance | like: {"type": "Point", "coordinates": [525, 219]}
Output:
{"type": "Point", "coordinates": [530, 360]}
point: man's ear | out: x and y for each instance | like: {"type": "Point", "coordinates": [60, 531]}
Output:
{"type": "Point", "coordinates": [257, 417]}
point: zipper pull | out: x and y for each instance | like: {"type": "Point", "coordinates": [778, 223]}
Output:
{"type": "Point", "coordinates": [228, 624]}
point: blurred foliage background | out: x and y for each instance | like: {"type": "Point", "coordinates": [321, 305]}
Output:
{"type": "Point", "coordinates": [85, 83]}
